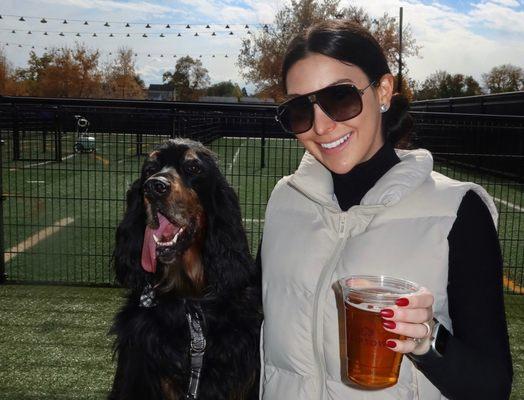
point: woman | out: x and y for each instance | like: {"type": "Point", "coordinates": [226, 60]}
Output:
{"type": "Point", "coordinates": [357, 206]}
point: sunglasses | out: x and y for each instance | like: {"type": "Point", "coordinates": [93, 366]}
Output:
{"type": "Point", "coordinates": [339, 102]}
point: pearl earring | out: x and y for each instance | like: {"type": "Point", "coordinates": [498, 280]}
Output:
{"type": "Point", "coordinates": [383, 108]}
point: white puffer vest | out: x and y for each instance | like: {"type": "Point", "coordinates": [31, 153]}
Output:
{"type": "Point", "coordinates": [400, 229]}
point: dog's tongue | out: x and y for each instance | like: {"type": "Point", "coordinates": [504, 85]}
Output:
{"type": "Point", "coordinates": [165, 232]}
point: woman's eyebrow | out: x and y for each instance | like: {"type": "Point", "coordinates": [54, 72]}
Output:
{"type": "Point", "coordinates": [343, 80]}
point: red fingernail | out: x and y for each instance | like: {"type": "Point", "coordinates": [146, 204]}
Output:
{"type": "Point", "coordinates": [386, 313]}
{"type": "Point", "coordinates": [389, 324]}
{"type": "Point", "coordinates": [391, 344]}
{"type": "Point", "coordinates": [402, 302]}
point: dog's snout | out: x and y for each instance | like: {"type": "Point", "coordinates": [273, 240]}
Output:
{"type": "Point", "coordinates": [156, 187]}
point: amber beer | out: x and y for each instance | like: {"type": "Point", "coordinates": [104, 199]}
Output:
{"type": "Point", "coordinates": [371, 364]}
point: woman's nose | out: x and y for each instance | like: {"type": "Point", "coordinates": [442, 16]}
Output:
{"type": "Point", "coordinates": [322, 124]}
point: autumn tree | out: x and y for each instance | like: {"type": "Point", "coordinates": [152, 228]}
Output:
{"type": "Point", "coordinates": [121, 79]}
{"type": "Point", "coordinates": [504, 78]}
{"type": "Point", "coordinates": [190, 78]}
{"type": "Point", "coordinates": [63, 72]}
{"type": "Point", "coordinates": [261, 55]}
{"type": "Point", "coordinates": [442, 84]}
{"type": "Point", "coordinates": [225, 88]}
{"type": "Point", "coordinates": [9, 84]}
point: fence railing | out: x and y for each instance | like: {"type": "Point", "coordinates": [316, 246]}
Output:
{"type": "Point", "coordinates": [60, 206]}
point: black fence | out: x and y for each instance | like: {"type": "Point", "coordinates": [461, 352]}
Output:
{"type": "Point", "coordinates": [60, 204]}
{"type": "Point", "coordinates": [511, 103]}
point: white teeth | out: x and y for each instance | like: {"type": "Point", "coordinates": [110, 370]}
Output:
{"type": "Point", "coordinates": [336, 142]}
{"type": "Point", "coordinates": [171, 242]}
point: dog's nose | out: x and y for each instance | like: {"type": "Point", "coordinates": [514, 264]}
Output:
{"type": "Point", "coordinates": [156, 187]}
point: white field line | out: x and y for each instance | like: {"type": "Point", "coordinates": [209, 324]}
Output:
{"type": "Point", "coordinates": [257, 221]}
{"type": "Point", "coordinates": [37, 237]}
{"type": "Point", "coordinates": [235, 157]}
{"type": "Point", "coordinates": [48, 162]}
{"type": "Point", "coordinates": [508, 204]}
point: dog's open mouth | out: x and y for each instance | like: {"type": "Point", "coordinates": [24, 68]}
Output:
{"type": "Point", "coordinates": [160, 242]}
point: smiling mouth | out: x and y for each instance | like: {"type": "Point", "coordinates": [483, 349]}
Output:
{"type": "Point", "coordinates": [337, 142]}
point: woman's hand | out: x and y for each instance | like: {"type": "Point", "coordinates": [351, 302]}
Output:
{"type": "Point", "coordinates": [412, 317]}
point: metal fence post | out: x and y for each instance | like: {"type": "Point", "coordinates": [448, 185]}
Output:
{"type": "Point", "coordinates": [263, 145]}
{"type": "Point", "coordinates": [3, 276]}
{"type": "Point", "coordinates": [16, 135]}
{"type": "Point", "coordinates": [58, 134]}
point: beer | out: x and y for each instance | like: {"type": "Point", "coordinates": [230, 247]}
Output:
{"type": "Point", "coordinates": [370, 362]}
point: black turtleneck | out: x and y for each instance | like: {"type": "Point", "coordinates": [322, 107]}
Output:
{"type": "Point", "coordinates": [351, 187]}
{"type": "Point", "coordinates": [477, 362]}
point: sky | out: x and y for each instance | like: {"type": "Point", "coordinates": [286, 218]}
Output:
{"type": "Point", "coordinates": [468, 37]}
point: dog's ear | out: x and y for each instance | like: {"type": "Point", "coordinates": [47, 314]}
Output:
{"type": "Point", "coordinates": [129, 238]}
{"type": "Point", "coordinates": [228, 262]}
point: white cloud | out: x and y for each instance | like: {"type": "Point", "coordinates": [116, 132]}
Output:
{"type": "Point", "coordinates": [496, 16]}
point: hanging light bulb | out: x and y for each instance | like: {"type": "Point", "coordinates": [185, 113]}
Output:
{"type": "Point", "coordinates": [65, 21]}
{"type": "Point", "coordinates": [21, 19]}
{"type": "Point", "coordinates": [144, 35]}
{"type": "Point", "coordinates": [94, 34]}
{"type": "Point", "coordinates": [196, 33]}
{"type": "Point", "coordinates": [213, 56]}
{"type": "Point", "coordinates": [78, 34]}
{"type": "Point", "coordinates": [231, 32]}
{"type": "Point", "coordinates": [207, 27]}
{"type": "Point", "coordinates": [110, 53]}
{"type": "Point", "coordinates": [111, 35]}
{"type": "Point", "coordinates": [61, 34]}
{"type": "Point", "coordinates": [162, 35]}
{"type": "Point", "coordinates": [214, 34]}
{"type": "Point", "coordinates": [107, 24]}
{"type": "Point", "coordinates": [249, 32]}
{"type": "Point", "coordinates": [13, 31]}
{"type": "Point", "coordinates": [179, 34]}
{"type": "Point", "coordinates": [161, 55]}
{"type": "Point", "coordinates": [149, 55]}
{"type": "Point", "coordinates": [128, 35]}
{"type": "Point", "coordinates": [227, 26]}
{"type": "Point", "coordinates": [43, 21]}
{"type": "Point", "coordinates": [86, 23]}
{"type": "Point", "coordinates": [127, 25]}
{"type": "Point", "coordinates": [45, 33]}
{"type": "Point", "coordinates": [187, 26]}
{"type": "Point", "coordinates": [226, 56]}
{"type": "Point", "coordinates": [148, 26]}
{"type": "Point", "coordinates": [29, 32]}
{"type": "Point", "coordinates": [168, 26]}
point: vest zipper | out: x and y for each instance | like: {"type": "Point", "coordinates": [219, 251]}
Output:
{"type": "Point", "coordinates": [318, 321]}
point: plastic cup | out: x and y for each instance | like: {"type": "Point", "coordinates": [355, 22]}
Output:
{"type": "Point", "coordinates": [370, 363]}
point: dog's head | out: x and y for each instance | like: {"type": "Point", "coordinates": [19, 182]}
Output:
{"type": "Point", "coordinates": [182, 224]}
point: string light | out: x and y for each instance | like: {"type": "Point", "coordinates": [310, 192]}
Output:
{"type": "Point", "coordinates": [22, 19]}
{"type": "Point", "coordinates": [43, 21]}
{"type": "Point", "coordinates": [65, 21]}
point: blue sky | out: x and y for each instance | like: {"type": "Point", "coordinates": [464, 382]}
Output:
{"type": "Point", "coordinates": [467, 37]}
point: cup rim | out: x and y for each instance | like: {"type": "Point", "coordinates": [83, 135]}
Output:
{"type": "Point", "coordinates": [404, 286]}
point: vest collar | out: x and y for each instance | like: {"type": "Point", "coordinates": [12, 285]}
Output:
{"type": "Point", "coordinates": [314, 180]}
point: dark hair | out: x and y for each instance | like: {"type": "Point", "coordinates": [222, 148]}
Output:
{"type": "Point", "coordinates": [349, 42]}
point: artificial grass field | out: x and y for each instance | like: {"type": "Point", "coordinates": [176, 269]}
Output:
{"type": "Point", "coordinates": [54, 342]}
{"type": "Point", "coordinates": [88, 190]}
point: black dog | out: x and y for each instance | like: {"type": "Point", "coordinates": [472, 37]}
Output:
{"type": "Point", "coordinates": [190, 326]}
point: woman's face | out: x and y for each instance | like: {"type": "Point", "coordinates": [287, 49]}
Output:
{"type": "Point", "coordinates": [339, 146]}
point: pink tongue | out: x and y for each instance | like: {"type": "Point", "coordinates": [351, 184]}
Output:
{"type": "Point", "coordinates": [165, 231]}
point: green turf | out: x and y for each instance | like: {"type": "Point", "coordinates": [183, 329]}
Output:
{"type": "Point", "coordinates": [54, 342]}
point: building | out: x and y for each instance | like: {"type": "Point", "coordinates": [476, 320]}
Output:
{"type": "Point", "coordinates": [164, 92]}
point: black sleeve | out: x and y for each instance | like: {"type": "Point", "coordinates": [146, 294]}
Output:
{"type": "Point", "coordinates": [477, 362]}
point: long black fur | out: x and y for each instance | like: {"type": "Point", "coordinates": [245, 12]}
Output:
{"type": "Point", "coordinates": [152, 344]}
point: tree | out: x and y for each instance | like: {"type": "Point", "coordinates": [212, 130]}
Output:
{"type": "Point", "coordinates": [261, 55]}
{"type": "Point", "coordinates": [62, 72]}
{"type": "Point", "coordinates": [504, 78]}
{"type": "Point", "coordinates": [223, 89]}
{"type": "Point", "coordinates": [189, 78]}
{"type": "Point", "coordinates": [442, 84]}
{"type": "Point", "coordinates": [121, 79]}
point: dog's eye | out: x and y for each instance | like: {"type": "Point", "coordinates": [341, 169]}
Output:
{"type": "Point", "coordinates": [150, 170]}
{"type": "Point", "coordinates": [192, 169]}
